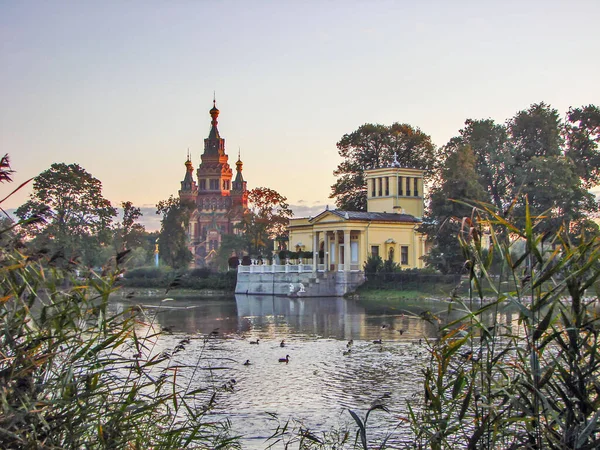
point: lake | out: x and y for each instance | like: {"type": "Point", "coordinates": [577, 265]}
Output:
{"type": "Point", "coordinates": [325, 376]}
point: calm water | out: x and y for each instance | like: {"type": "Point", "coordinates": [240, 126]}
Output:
{"type": "Point", "coordinates": [322, 379]}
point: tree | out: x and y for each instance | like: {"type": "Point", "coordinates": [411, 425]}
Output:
{"type": "Point", "coordinates": [373, 146]}
{"type": "Point", "coordinates": [232, 245]}
{"type": "Point", "coordinates": [582, 135]}
{"type": "Point", "coordinates": [267, 219]}
{"type": "Point", "coordinates": [172, 240]}
{"type": "Point", "coordinates": [535, 161]}
{"type": "Point", "coordinates": [460, 184]}
{"type": "Point", "coordinates": [536, 155]}
{"type": "Point", "coordinates": [544, 172]}
{"type": "Point", "coordinates": [129, 234]}
{"type": "Point", "coordinates": [493, 153]}
{"type": "Point", "coordinates": [71, 214]}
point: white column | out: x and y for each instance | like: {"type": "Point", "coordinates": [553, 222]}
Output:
{"type": "Point", "coordinates": [315, 250]}
{"type": "Point", "coordinates": [338, 253]}
{"type": "Point", "coordinates": [347, 251]}
{"type": "Point", "coordinates": [326, 251]}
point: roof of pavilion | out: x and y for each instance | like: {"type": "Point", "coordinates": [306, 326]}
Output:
{"type": "Point", "coordinates": [367, 216]}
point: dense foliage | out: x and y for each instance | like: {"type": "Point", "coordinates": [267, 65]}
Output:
{"type": "Point", "coordinates": [267, 219]}
{"type": "Point", "coordinates": [164, 277]}
{"type": "Point", "coordinates": [373, 146]}
{"type": "Point", "coordinates": [535, 157]}
{"type": "Point", "coordinates": [71, 215]}
{"type": "Point", "coordinates": [172, 240]}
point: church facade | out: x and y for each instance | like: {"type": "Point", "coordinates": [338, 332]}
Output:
{"type": "Point", "coordinates": [220, 199]}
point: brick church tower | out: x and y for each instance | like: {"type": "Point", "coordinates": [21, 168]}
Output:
{"type": "Point", "coordinates": [220, 203]}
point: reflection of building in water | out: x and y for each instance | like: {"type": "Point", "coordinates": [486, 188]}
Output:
{"type": "Point", "coordinates": [331, 316]}
{"type": "Point", "coordinates": [221, 200]}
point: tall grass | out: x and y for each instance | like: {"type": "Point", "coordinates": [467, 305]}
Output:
{"type": "Point", "coordinates": [529, 384]}
{"type": "Point", "coordinates": [75, 375]}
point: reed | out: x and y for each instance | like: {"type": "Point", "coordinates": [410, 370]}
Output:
{"type": "Point", "coordinates": [532, 383]}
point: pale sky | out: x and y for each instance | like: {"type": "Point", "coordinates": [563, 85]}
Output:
{"type": "Point", "coordinates": [123, 88]}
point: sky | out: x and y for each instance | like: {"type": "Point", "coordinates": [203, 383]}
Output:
{"type": "Point", "coordinates": [124, 88]}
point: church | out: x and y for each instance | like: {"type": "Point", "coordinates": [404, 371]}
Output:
{"type": "Point", "coordinates": [220, 199]}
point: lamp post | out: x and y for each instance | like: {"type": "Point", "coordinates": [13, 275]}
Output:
{"type": "Point", "coordinates": [156, 252]}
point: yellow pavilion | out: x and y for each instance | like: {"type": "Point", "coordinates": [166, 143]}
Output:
{"type": "Point", "coordinates": [343, 240]}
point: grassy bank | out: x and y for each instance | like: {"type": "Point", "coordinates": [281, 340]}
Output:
{"type": "Point", "coordinates": [392, 300]}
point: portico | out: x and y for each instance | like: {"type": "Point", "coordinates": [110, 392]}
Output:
{"type": "Point", "coordinates": [342, 241]}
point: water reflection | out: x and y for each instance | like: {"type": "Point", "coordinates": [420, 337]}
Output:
{"type": "Point", "coordinates": [329, 317]}
{"type": "Point", "coordinates": [325, 376]}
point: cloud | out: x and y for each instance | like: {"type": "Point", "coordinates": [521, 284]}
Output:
{"type": "Point", "coordinates": [306, 211]}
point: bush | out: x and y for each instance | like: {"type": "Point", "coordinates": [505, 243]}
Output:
{"type": "Point", "coordinates": [233, 262]}
{"type": "Point", "coordinates": [149, 273]}
{"type": "Point", "coordinates": [373, 264]}
{"type": "Point", "coordinates": [305, 255]}
{"type": "Point", "coordinates": [202, 272]}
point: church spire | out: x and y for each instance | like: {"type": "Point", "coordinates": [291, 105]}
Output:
{"type": "Point", "coordinates": [239, 184]}
{"type": "Point", "coordinates": [214, 113]}
{"type": "Point", "coordinates": [189, 188]}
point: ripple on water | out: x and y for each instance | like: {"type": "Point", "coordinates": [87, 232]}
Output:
{"type": "Point", "coordinates": [320, 382]}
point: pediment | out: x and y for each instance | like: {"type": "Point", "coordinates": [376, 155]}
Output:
{"type": "Point", "coordinates": [326, 217]}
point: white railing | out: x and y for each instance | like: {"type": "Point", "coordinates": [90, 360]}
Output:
{"type": "Point", "coordinates": [291, 268]}
{"type": "Point", "coordinates": [276, 268]}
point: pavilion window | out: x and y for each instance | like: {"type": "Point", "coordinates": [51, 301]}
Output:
{"type": "Point", "coordinates": [202, 185]}
{"type": "Point", "coordinates": [387, 186]}
{"type": "Point", "coordinates": [408, 186]}
{"type": "Point", "coordinates": [404, 255]}
{"type": "Point", "coordinates": [354, 252]}
{"type": "Point", "coordinates": [400, 190]}
{"type": "Point", "coordinates": [380, 182]}
{"type": "Point", "coordinates": [373, 193]}
{"type": "Point", "coordinates": [374, 251]}
{"type": "Point", "coordinates": [416, 187]}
